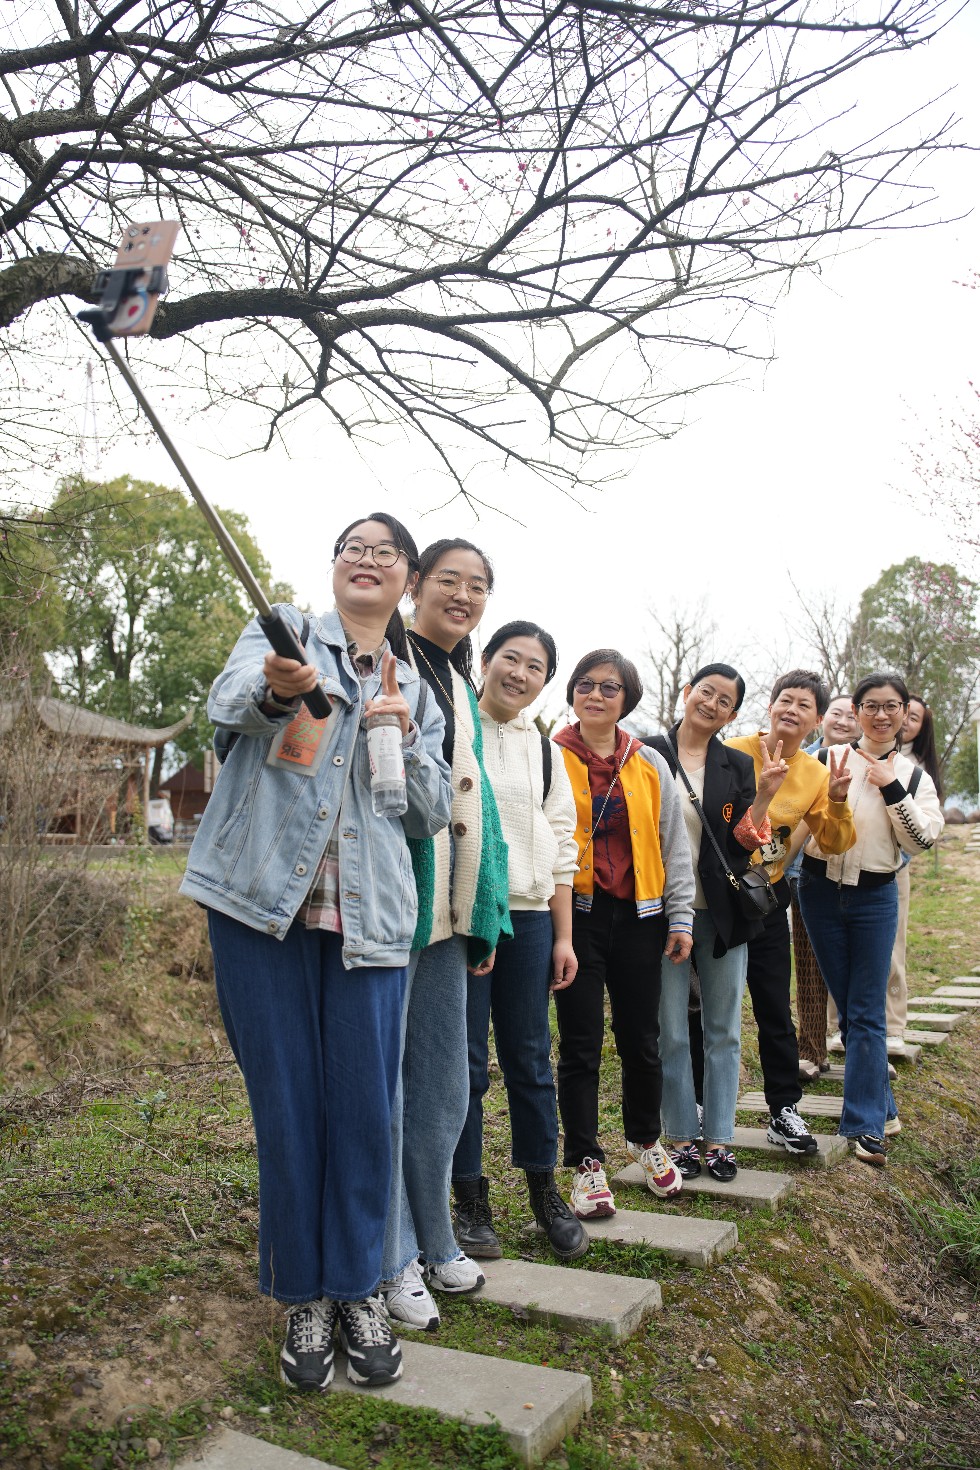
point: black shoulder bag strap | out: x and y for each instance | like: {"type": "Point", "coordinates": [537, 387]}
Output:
{"type": "Point", "coordinates": [545, 763]}
{"type": "Point", "coordinates": [704, 821]}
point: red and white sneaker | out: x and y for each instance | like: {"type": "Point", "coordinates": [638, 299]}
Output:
{"type": "Point", "coordinates": [662, 1176]}
{"type": "Point", "coordinates": [592, 1199]}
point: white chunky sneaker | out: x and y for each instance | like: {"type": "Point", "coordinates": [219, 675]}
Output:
{"type": "Point", "coordinates": [592, 1199]}
{"type": "Point", "coordinates": [458, 1275]}
{"type": "Point", "coordinates": [408, 1300]}
{"type": "Point", "coordinates": [662, 1177]}
{"type": "Point", "coordinates": [788, 1129]}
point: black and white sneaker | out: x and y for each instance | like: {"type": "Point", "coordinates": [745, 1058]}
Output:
{"type": "Point", "coordinates": [788, 1129]}
{"type": "Point", "coordinates": [306, 1360]}
{"type": "Point", "coordinates": [374, 1356]}
{"type": "Point", "coordinates": [870, 1150]}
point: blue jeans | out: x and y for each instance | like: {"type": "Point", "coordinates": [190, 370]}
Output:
{"type": "Point", "coordinates": [318, 1047]}
{"type": "Point", "coordinates": [852, 931]}
{"type": "Point", "coordinates": [430, 1108]}
{"type": "Point", "coordinates": [516, 994]}
{"type": "Point", "coordinates": [722, 987]}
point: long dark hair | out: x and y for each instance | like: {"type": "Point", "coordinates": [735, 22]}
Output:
{"type": "Point", "coordinates": [923, 747]}
{"type": "Point", "coordinates": [395, 631]}
{"type": "Point", "coordinates": [461, 657]}
{"type": "Point", "coordinates": [521, 629]}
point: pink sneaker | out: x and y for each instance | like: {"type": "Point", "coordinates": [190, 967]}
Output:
{"type": "Point", "coordinates": [592, 1198]}
{"type": "Point", "coordinates": [662, 1176]}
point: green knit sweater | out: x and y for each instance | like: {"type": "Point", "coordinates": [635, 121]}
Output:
{"type": "Point", "coordinates": [491, 915]}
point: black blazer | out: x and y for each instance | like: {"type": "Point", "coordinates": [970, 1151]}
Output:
{"type": "Point", "coordinates": [729, 791]}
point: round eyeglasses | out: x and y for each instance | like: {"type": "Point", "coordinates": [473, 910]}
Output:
{"type": "Point", "coordinates": [449, 584]}
{"type": "Point", "coordinates": [608, 688]}
{"type": "Point", "coordinates": [384, 554]}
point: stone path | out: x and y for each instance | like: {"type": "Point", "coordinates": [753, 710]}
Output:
{"type": "Point", "coordinates": [536, 1406]}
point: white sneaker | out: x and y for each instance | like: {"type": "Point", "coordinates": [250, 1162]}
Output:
{"type": "Point", "coordinates": [892, 1126]}
{"type": "Point", "coordinates": [407, 1298]}
{"type": "Point", "coordinates": [895, 1044]}
{"type": "Point", "coordinates": [459, 1275]}
{"type": "Point", "coordinates": [662, 1176]}
{"type": "Point", "coordinates": [592, 1199]}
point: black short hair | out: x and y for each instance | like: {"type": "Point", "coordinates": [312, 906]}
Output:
{"type": "Point", "coordinates": [522, 629]}
{"type": "Point", "coordinates": [722, 671]}
{"type": "Point", "coordinates": [632, 684]}
{"type": "Point", "coordinates": [807, 679]}
{"type": "Point", "coordinates": [875, 680]}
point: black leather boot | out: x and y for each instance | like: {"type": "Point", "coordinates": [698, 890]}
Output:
{"type": "Point", "coordinates": [566, 1234]}
{"type": "Point", "coordinates": [473, 1221]}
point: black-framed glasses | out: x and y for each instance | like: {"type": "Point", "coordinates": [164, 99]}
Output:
{"type": "Point", "coordinates": [450, 583]}
{"type": "Point", "coordinates": [384, 554]}
{"type": "Point", "coordinates": [608, 688]}
{"type": "Point", "coordinates": [890, 706]}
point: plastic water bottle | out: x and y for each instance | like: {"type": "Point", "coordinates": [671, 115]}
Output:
{"type": "Point", "coordinates": [389, 794]}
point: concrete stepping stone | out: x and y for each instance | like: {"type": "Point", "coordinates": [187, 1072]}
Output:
{"type": "Point", "coordinates": [534, 1407]}
{"type": "Point", "coordinates": [926, 1038]}
{"type": "Point", "coordinates": [907, 1053]}
{"type": "Point", "coordinates": [830, 1148]}
{"type": "Point", "coordinates": [967, 994]}
{"type": "Point", "coordinates": [234, 1451]}
{"type": "Point", "coordinates": [960, 999]}
{"type": "Point", "coordinates": [815, 1107]}
{"type": "Point", "coordinates": [579, 1301]}
{"type": "Point", "coordinates": [759, 1189]}
{"type": "Point", "coordinates": [683, 1237]}
{"type": "Point", "coordinates": [937, 1020]}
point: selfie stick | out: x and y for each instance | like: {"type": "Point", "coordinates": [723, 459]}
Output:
{"type": "Point", "coordinates": [128, 295]}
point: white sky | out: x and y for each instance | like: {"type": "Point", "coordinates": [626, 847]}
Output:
{"type": "Point", "coordinates": [799, 470]}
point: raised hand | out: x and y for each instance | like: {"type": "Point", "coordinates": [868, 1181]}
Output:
{"type": "Point", "coordinates": [840, 776]}
{"type": "Point", "coordinates": [880, 773]}
{"type": "Point", "coordinates": [391, 701]}
{"type": "Point", "coordinates": [774, 772]}
{"type": "Point", "coordinates": [286, 678]}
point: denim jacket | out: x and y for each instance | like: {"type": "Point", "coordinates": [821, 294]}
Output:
{"type": "Point", "coordinates": [265, 829]}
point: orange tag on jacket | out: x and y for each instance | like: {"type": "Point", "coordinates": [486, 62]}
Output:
{"type": "Point", "coordinates": [300, 745]}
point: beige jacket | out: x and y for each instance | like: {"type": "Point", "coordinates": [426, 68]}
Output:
{"type": "Point", "coordinates": [887, 821]}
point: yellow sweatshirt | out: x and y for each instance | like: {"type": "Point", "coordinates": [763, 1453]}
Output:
{"type": "Point", "coordinates": [803, 797]}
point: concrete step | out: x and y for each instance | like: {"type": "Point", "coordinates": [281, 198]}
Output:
{"type": "Point", "coordinates": [969, 982]}
{"type": "Point", "coordinates": [813, 1107]}
{"type": "Point", "coordinates": [830, 1148]}
{"type": "Point", "coordinates": [926, 1038]}
{"type": "Point", "coordinates": [234, 1451]}
{"type": "Point", "coordinates": [758, 1189]}
{"type": "Point", "coordinates": [907, 1053]}
{"type": "Point", "coordinates": [937, 1020]}
{"type": "Point", "coordinates": [967, 994]}
{"type": "Point", "coordinates": [962, 1000]}
{"type": "Point", "coordinates": [684, 1238]}
{"type": "Point", "coordinates": [534, 1407]}
{"type": "Point", "coordinates": [577, 1300]}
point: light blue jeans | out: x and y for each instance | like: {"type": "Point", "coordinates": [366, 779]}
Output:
{"type": "Point", "coordinates": [430, 1108]}
{"type": "Point", "coordinates": [722, 987]}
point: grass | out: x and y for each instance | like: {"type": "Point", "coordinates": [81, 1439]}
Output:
{"type": "Point", "coordinates": [830, 1338]}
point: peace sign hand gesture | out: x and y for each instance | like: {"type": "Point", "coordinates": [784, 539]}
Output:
{"type": "Point", "coordinates": [773, 774]}
{"type": "Point", "coordinates": [840, 776]}
{"type": "Point", "coordinates": [880, 773]}
{"type": "Point", "coordinates": [391, 701]}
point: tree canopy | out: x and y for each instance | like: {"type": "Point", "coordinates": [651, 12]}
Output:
{"type": "Point", "coordinates": [511, 230]}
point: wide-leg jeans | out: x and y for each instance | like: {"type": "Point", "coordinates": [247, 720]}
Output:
{"type": "Point", "coordinates": [515, 994]}
{"type": "Point", "coordinates": [430, 1108]}
{"type": "Point", "coordinates": [722, 986]}
{"type": "Point", "coordinates": [852, 931]}
{"type": "Point", "coordinates": [318, 1047]}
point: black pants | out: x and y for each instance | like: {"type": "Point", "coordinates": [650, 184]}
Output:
{"type": "Point", "coordinates": [768, 981]}
{"type": "Point", "coordinates": [618, 952]}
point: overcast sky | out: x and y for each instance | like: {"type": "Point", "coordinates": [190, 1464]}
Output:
{"type": "Point", "coordinates": [800, 470]}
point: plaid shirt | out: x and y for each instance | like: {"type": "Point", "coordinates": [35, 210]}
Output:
{"type": "Point", "coordinates": [320, 908]}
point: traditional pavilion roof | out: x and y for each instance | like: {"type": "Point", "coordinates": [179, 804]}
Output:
{"type": "Point", "coordinates": [70, 719]}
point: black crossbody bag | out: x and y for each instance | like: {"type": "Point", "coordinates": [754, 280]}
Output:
{"type": "Point", "coordinates": [756, 895]}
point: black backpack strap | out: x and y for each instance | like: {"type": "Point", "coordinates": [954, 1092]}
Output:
{"type": "Point", "coordinates": [823, 755]}
{"type": "Point", "coordinates": [546, 762]}
{"type": "Point", "coordinates": [914, 780]}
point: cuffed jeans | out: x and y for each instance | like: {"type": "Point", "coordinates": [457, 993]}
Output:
{"type": "Point", "coordinates": [722, 986]}
{"type": "Point", "coordinates": [318, 1046]}
{"type": "Point", "coordinates": [619, 952]}
{"type": "Point", "coordinates": [515, 994]}
{"type": "Point", "coordinates": [430, 1108]}
{"type": "Point", "coordinates": [852, 931]}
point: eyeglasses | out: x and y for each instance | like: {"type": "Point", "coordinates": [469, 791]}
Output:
{"type": "Point", "coordinates": [890, 706]}
{"type": "Point", "coordinates": [385, 554]}
{"type": "Point", "coordinates": [449, 585]}
{"type": "Point", "coordinates": [608, 688]}
{"type": "Point", "coordinates": [725, 704]}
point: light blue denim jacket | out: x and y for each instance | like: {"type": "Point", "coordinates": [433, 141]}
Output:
{"type": "Point", "coordinates": [265, 829]}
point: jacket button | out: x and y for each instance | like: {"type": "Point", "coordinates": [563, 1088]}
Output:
{"type": "Point", "coordinates": [629, 793]}
{"type": "Point", "coordinates": [466, 784]}
{"type": "Point", "coordinates": [299, 869]}
{"type": "Point", "coordinates": [338, 760]}
{"type": "Point", "coordinates": [323, 813]}
{"type": "Point", "coordinates": [459, 829]}
{"type": "Point", "coordinates": [587, 868]}
{"type": "Point", "coordinates": [272, 927]}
